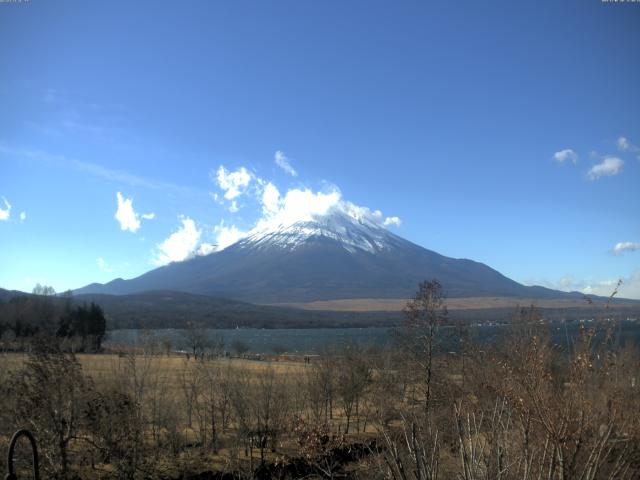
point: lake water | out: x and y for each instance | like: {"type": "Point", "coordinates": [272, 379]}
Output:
{"type": "Point", "coordinates": [314, 340]}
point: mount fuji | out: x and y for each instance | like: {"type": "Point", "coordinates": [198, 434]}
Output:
{"type": "Point", "coordinates": [339, 255]}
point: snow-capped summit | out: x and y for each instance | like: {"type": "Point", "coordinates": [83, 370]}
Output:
{"type": "Point", "coordinates": [349, 231]}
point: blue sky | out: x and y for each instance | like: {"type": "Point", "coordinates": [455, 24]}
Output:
{"type": "Point", "coordinates": [505, 132]}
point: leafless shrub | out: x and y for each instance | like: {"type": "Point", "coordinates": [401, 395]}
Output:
{"type": "Point", "coordinates": [51, 398]}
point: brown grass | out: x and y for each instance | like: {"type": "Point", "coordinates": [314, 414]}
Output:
{"type": "Point", "coordinates": [397, 304]}
{"type": "Point", "coordinates": [99, 366]}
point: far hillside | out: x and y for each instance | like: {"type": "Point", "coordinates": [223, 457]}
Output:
{"type": "Point", "coordinates": [170, 309]}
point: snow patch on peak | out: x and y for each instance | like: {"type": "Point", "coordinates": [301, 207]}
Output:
{"type": "Point", "coordinates": [354, 230]}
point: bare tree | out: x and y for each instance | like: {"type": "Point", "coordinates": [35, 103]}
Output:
{"type": "Point", "coordinates": [190, 380]}
{"type": "Point", "coordinates": [354, 376]}
{"type": "Point", "coordinates": [413, 450]}
{"type": "Point", "coordinates": [323, 378]}
{"type": "Point", "coordinates": [197, 339]}
{"type": "Point", "coordinates": [53, 394]}
{"type": "Point", "coordinates": [239, 347]}
{"type": "Point", "coordinates": [424, 314]}
{"type": "Point", "coordinates": [166, 343]}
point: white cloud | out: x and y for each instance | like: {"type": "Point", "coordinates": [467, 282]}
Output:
{"type": "Point", "coordinates": [625, 247]}
{"type": "Point", "coordinates": [103, 265]}
{"type": "Point", "coordinates": [235, 183]}
{"type": "Point", "coordinates": [127, 216]}
{"type": "Point", "coordinates": [567, 282]}
{"type": "Point", "coordinates": [283, 162]}
{"type": "Point", "coordinates": [226, 236]}
{"type": "Point", "coordinates": [180, 245]}
{"type": "Point", "coordinates": [6, 212]}
{"type": "Point", "coordinates": [297, 205]}
{"type": "Point", "coordinates": [270, 199]}
{"type": "Point", "coordinates": [623, 144]}
{"type": "Point", "coordinates": [277, 209]}
{"type": "Point", "coordinates": [629, 288]}
{"type": "Point", "coordinates": [608, 167]}
{"type": "Point", "coordinates": [602, 288]}
{"type": "Point", "coordinates": [392, 221]}
{"type": "Point", "coordinates": [566, 155]}
{"type": "Point", "coordinates": [206, 249]}
{"type": "Point", "coordinates": [305, 204]}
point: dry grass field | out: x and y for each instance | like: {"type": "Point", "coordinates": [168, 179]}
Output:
{"type": "Point", "coordinates": [397, 304]}
{"type": "Point", "coordinates": [102, 366]}
{"type": "Point", "coordinates": [177, 394]}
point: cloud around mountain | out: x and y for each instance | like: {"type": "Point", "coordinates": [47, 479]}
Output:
{"type": "Point", "coordinates": [239, 189]}
{"type": "Point", "coordinates": [180, 245]}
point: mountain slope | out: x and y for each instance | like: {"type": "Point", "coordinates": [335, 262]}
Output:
{"type": "Point", "coordinates": [336, 256]}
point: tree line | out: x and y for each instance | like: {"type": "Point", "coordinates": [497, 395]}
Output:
{"type": "Point", "coordinates": [77, 326]}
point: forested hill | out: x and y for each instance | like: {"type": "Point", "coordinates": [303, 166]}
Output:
{"type": "Point", "coordinates": [164, 309]}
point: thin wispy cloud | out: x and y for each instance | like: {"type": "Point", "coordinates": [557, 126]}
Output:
{"type": "Point", "coordinates": [68, 102]}
{"type": "Point", "coordinates": [70, 116]}
{"type": "Point", "coordinates": [51, 95]}
{"type": "Point", "coordinates": [622, 247]}
{"type": "Point", "coordinates": [283, 162]}
{"type": "Point", "coordinates": [629, 288]}
{"type": "Point", "coordinates": [127, 217]}
{"type": "Point", "coordinates": [608, 167]}
{"type": "Point", "coordinates": [624, 145]}
{"type": "Point", "coordinates": [103, 265]}
{"type": "Point", "coordinates": [83, 128]}
{"type": "Point", "coordinates": [566, 155]}
{"type": "Point", "coordinates": [94, 169]}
